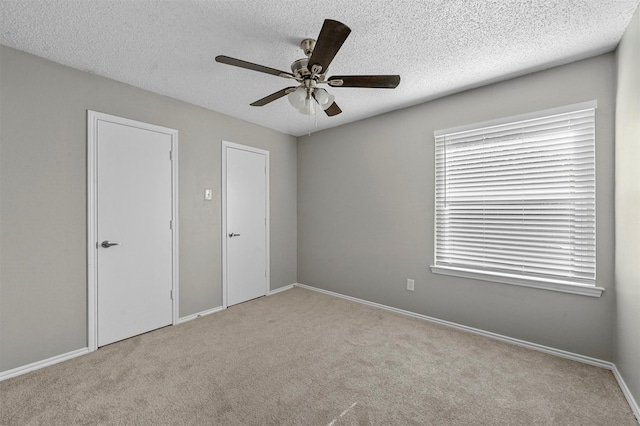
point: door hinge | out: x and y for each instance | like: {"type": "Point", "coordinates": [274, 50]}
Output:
{"type": "Point", "coordinates": [170, 224]}
{"type": "Point", "coordinates": [171, 294]}
{"type": "Point", "coordinates": [171, 155]}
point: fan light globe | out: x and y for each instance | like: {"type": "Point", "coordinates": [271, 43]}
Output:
{"type": "Point", "coordinates": [321, 96]}
{"type": "Point", "coordinates": [298, 97]}
{"type": "Point", "coordinates": [309, 107]}
{"type": "Point", "coordinates": [329, 102]}
{"type": "Point", "coordinates": [324, 98]}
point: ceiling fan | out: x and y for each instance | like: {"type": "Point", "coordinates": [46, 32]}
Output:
{"type": "Point", "coordinates": [311, 71]}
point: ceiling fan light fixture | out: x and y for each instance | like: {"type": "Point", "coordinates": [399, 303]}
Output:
{"type": "Point", "coordinates": [324, 98]}
{"type": "Point", "coordinates": [298, 98]}
{"type": "Point", "coordinates": [309, 107]}
{"type": "Point", "coordinates": [329, 103]}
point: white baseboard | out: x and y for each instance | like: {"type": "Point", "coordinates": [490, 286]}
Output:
{"type": "Point", "coordinates": [41, 364]}
{"type": "Point", "coordinates": [281, 289]}
{"type": "Point", "coordinates": [200, 314]}
{"type": "Point", "coordinates": [627, 393]}
{"type": "Point", "coordinates": [541, 348]}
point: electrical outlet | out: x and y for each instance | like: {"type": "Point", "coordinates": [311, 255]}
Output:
{"type": "Point", "coordinates": [208, 194]}
{"type": "Point", "coordinates": [410, 284]}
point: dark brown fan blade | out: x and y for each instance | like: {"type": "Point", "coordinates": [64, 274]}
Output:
{"type": "Point", "coordinates": [371, 81]}
{"type": "Point", "coordinates": [334, 109]}
{"type": "Point", "coordinates": [332, 35]}
{"type": "Point", "coordinates": [272, 97]}
{"type": "Point", "coordinates": [251, 66]}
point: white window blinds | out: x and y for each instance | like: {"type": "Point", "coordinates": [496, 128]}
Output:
{"type": "Point", "coordinates": [518, 198]}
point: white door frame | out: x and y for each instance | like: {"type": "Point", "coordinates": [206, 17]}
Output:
{"type": "Point", "coordinates": [226, 145]}
{"type": "Point", "coordinates": [92, 220]}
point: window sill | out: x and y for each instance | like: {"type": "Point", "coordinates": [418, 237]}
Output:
{"type": "Point", "coordinates": [545, 284]}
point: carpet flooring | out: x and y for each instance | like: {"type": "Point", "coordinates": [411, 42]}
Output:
{"type": "Point", "coordinates": [305, 358]}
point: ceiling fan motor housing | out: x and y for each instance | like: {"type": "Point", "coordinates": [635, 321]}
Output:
{"type": "Point", "coordinates": [300, 71]}
{"type": "Point", "coordinates": [299, 67]}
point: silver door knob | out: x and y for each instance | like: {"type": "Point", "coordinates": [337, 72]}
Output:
{"type": "Point", "coordinates": [107, 244]}
{"type": "Point", "coordinates": [233, 235]}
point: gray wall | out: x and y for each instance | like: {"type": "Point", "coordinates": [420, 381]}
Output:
{"type": "Point", "coordinates": [365, 213]}
{"type": "Point", "coordinates": [627, 266]}
{"type": "Point", "coordinates": [43, 274]}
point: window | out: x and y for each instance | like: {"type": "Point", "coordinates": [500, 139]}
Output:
{"type": "Point", "coordinates": [515, 200]}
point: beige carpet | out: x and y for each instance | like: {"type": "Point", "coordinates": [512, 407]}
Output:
{"type": "Point", "coordinates": [305, 358]}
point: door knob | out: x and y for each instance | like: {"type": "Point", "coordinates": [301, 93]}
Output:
{"type": "Point", "coordinates": [233, 235]}
{"type": "Point", "coordinates": [107, 244]}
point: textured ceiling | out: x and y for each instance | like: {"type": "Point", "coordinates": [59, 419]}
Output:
{"type": "Point", "coordinates": [437, 46]}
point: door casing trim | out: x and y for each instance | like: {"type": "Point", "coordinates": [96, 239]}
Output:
{"type": "Point", "coordinates": [92, 220]}
{"type": "Point", "coordinates": [223, 193]}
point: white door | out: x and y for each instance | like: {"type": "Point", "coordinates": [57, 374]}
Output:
{"type": "Point", "coordinates": [134, 236]}
{"type": "Point", "coordinates": [246, 236]}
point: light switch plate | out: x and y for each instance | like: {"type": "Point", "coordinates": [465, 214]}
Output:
{"type": "Point", "coordinates": [208, 194]}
